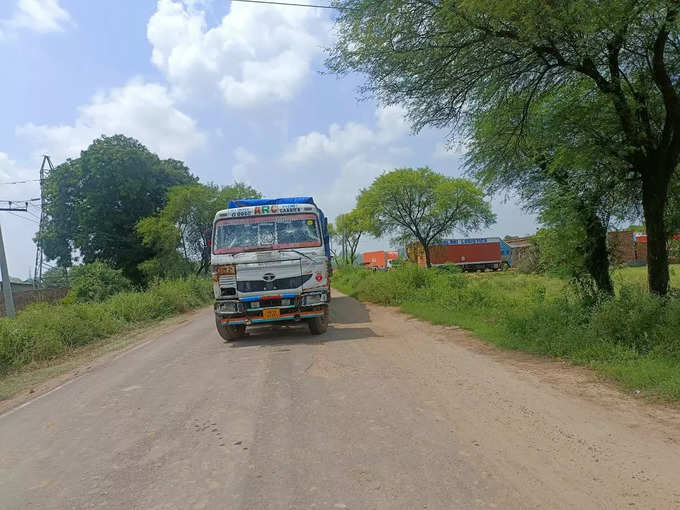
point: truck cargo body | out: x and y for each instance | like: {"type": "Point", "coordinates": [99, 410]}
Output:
{"type": "Point", "coordinates": [470, 254]}
{"type": "Point", "coordinates": [378, 260]}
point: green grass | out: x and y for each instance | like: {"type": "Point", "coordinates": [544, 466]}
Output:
{"type": "Point", "coordinates": [632, 338]}
{"type": "Point", "coordinates": [44, 332]}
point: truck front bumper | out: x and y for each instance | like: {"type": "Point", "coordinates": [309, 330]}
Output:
{"type": "Point", "coordinates": [297, 315]}
{"type": "Point", "coordinates": [257, 309]}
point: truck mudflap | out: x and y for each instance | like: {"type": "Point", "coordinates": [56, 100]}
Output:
{"type": "Point", "coordinates": [292, 316]}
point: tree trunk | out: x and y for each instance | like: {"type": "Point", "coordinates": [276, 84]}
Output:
{"type": "Point", "coordinates": [655, 183]}
{"type": "Point", "coordinates": [597, 254]}
{"type": "Point", "coordinates": [428, 261]}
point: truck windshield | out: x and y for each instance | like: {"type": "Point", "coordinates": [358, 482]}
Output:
{"type": "Point", "coordinates": [233, 235]}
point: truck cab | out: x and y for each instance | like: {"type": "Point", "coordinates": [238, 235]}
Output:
{"type": "Point", "coordinates": [270, 263]}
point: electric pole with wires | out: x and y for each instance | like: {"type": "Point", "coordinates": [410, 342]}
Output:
{"type": "Point", "coordinates": [39, 255]}
{"type": "Point", "coordinates": [4, 270]}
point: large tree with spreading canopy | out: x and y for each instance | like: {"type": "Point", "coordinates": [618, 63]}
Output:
{"type": "Point", "coordinates": [449, 59]}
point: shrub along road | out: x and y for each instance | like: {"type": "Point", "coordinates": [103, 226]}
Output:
{"type": "Point", "coordinates": [381, 412]}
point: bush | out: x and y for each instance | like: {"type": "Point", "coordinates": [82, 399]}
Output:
{"type": "Point", "coordinates": [96, 281]}
{"type": "Point", "coordinates": [45, 331]}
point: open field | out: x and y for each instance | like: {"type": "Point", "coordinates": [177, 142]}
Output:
{"type": "Point", "coordinates": [633, 338]}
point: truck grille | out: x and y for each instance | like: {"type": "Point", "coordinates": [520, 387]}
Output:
{"type": "Point", "coordinates": [280, 284]}
{"type": "Point", "coordinates": [227, 281]}
{"type": "Point", "coordinates": [227, 285]}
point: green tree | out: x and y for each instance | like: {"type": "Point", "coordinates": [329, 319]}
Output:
{"type": "Point", "coordinates": [422, 205]}
{"type": "Point", "coordinates": [96, 281]}
{"type": "Point", "coordinates": [346, 232]}
{"type": "Point", "coordinates": [179, 234]}
{"type": "Point", "coordinates": [95, 201]}
{"type": "Point", "coordinates": [56, 277]}
{"type": "Point", "coordinates": [562, 170]}
{"type": "Point", "coordinates": [446, 60]}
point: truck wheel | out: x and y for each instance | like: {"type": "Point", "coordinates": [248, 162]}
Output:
{"type": "Point", "coordinates": [318, 325]}
{"type": "Point", "coordinates": [229, 333]}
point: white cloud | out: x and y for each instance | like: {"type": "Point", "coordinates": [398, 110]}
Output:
{"type": "Point", "coordinates": [350, 138]}
{"type": "Point", "coordinates": [450, 150]}
{"type": "Point", "coordinates": [41, 16]}
{"type": "Point", "coordinates": [244, 161]}
{"type": "Point", "coordinates": [10, 171]}
{"type": "Point", "coordinates": [258, 54]}
{"type": "Point", "coordinates": [144, 111]}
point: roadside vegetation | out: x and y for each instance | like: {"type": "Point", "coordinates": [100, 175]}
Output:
{"type": "Point", "coordinates": [101, 303]}
{"type": "Point", "coordinates": [632, 337]}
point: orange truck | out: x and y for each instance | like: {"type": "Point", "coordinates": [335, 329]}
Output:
{"type": "Point", "coordinates": [379, 260]}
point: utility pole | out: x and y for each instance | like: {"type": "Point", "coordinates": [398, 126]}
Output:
{"type": "Point", "coordinates": [6, 283]}
{"type": "Point", "coordinates": [38, 270]}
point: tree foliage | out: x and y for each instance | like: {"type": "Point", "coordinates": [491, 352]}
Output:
{"type": "Point", "coordinates": [96, 281]}
{"type": "Point", "coordinates": [95, 201]}
{"type": "Point", "coordinates": [566, 172]}
{"type": "Point", "coordinates": [56, 277]}
{"type": "Point", "coordinates": [346, 233]}
{"type": "Point", "coordinates": [447, 60]}
{"type": "Point", "coordinates": [179, 235]}
{"type": "Point", "coordinates": [422, 205]}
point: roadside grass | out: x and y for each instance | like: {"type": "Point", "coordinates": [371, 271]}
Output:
{"type": "Point", "coordinates": [30, 377]}
{"type": "Point", "coordinates": [632, 338]}
{"type": "Point", "coordinates": [43, 332]}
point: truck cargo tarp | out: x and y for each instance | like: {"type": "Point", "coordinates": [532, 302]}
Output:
{"type": "Point", "coordinates": [252, 202]}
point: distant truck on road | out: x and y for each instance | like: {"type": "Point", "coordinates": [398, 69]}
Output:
{"type": "Point", "coordinates": [477, 254]}
{"type": "Point", "coordinates": [379, 260]}
{"type": "Point", "coordinates": [270, 263]}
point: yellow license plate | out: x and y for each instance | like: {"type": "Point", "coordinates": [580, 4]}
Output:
{"type": "Point", "coordinates": [273, 313]}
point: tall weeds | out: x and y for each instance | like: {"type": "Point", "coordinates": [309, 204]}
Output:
{"type": "Point", "coordinates": [44, 331]}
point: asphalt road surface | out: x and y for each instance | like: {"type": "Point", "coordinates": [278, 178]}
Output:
{"type": "Point", "coordinates": [381, 412]}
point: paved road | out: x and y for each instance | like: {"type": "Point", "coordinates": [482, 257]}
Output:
{"type": "Point", "coordinates": [382, 412]}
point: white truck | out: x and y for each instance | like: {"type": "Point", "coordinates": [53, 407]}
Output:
{"type": "Point", "coordinates": [270, 262]}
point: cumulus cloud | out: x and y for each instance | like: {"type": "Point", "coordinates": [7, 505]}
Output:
{"type": "Point", "coordinates": [145, 111]}
{"type": "Point", "coordinates": [244, 161]}
{"type": "Point", "coordinates": [41, 16]}
{"type": "Point", "coordinates": [449, 150]}
{"type": "Point", "coordinates": [258, 54]}
{"type": "Point", "coordinates": [351, 138]}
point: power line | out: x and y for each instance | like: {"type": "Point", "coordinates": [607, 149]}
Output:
{"type": "Point", "coordinates": [31, 213]}
{"type": "Point", "coordinates": [24, 201]}
{"type": "Point", "coordinates": [19, 182]}
{"type": "Point", "coordinates": [291, 4]}
{"type": "Point", "coordinates": [24, 218]}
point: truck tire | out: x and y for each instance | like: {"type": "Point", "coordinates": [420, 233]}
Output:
{"type": "Point", "coordinates": [318, 325]}
{"type": "Point", "coordinates": [229, 333]}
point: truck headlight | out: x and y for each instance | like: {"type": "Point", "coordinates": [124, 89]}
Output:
{"type": "Point", "coordinates": [229, 306]}
{"type": "Point", "coordinates": [315, 298]}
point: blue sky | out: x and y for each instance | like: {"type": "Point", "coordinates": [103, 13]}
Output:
{"type": "Point", "coordinates": [234, 90]}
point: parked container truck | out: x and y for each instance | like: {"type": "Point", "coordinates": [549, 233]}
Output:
{"type": "Point", "coordinates": [270, 262]}
{"type": "Point", "coordinates": [379, 260]}
{"type": "Point", "coordinates": [477, 254]}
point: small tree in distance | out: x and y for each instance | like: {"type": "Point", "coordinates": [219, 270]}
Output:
{"type": "Point", "coordinates": [423, 205]}
{"type": "Point", "coordinates": [346, 232]}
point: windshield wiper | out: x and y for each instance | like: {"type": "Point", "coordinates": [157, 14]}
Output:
{"type": "Point", "coordinates": [256, 248]}
{"type": "Point", "coordinates": [300, 253]}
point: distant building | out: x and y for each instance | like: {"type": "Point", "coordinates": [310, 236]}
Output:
{"type": "Point", "coordinates": [622, 247]}
{"type": "Point", "coordinates": [18, 287]}
{"type": "Point", "coordinates": [520, 248]}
